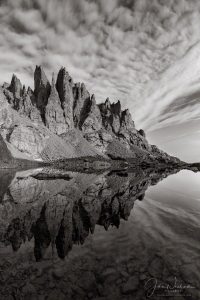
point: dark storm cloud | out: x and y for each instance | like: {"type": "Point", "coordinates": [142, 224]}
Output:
{"type": "Point", "coordinates": [145, 53]}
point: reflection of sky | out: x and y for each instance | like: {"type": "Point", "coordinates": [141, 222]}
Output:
{"type": "Point", "coordinates": [182, 140]}
{"type": "Point", "coordinates": [181, 190]}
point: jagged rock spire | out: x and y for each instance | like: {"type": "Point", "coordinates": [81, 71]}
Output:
{"type": "Point", "coordinates": [54, 114]}
{"type": "Point", "coordinates": [64, 85]}
{"type": "Point", "coordinates": [116, 108]}
{"type": "Point", "coordinates": [40, 78]}
{"type": "Point", "coordinates": [16, 86]}
{"type": "Point", "coordinates": [93, 100]}
{"type": "Point", "coordinates": [42, 89]}
{"type": "Point", "coordinates": [126, 120]}
{"type": "Point", "coordinates": [107, 103]}
{"type": "Point", "coordinates": [24, 91]}
{"type": "Point", "coordinates": [81, 103]}
{"type": "Point", "coordinates": [93, 120]}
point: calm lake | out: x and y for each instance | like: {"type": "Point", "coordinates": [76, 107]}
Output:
{"type": "Point", "coordinates": [114, 235]}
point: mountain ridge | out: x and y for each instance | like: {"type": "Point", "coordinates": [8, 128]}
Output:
{"type": "Point", "coordinates": [61, 119]}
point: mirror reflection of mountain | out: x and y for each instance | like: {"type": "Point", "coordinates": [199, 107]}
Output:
{"type": "Point", "coordinates": [63, 212]}
{"type": "Point", "coordinates": [53, 242]}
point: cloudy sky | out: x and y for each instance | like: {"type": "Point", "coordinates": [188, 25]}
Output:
{"type": "Point", "coordinates": [144, 52]}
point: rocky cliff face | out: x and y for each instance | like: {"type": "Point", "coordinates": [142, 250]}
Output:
{"type": "Point", "coordinates": [41, 91]}
{"type": "Point", "coordinates": [32, 138]}
{"type": "Point", "coordinates": [54, 114]}
{"type": "Point", "coordinates": [63, 107]}
{"type": "Point", "coordinates": [64, 86]}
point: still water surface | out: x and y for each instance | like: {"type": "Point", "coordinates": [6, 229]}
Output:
{"type": "Point", "coordinates": [100, 236]}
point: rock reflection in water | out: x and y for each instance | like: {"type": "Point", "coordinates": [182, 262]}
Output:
{"type": "Point", "coordinates": [67, 221]}
{"type": "Point", "coordinates": [48, 217]}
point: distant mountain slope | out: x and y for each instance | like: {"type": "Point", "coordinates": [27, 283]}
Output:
{"type": "Point", "coordinates": [62, 120]}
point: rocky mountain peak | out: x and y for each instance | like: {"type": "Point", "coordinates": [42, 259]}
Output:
{"type": "Point", "coordinates": [111, 115]}
{"type": "Point", "coordinates": [61, 108]}
{"type": "Point", "coordinates": [93, 100]}
{"type": "Point", "coordinates": [64, 85]}
{"type": "Point", "coordinates": [42, 89]}
{"type": "Point", "coordinates": [41, 84]}
{"type": "Point", "coordinates": [24, 92]}
{"type": "Point", "coordinates": [116, 108]}
{"type": "Point", "coordinates": [107, 103]}
{"type": "Point", "coordinates": [40, 78]}
{"type": "Point", "coordinates": [54, 114]}
{"type": "Point", "coordinates": [16, 87]}
{"type": "Point", "coordinates": [81, 103]}
{"type": "Point", "coordinates": [63, 76]}
{"type": "Point", "coordinates": [126, 120]}
{"type": "Point", "coordinates": [93, 118]}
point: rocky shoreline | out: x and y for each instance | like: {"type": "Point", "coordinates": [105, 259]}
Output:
{"type": "Point", "coordinates": [91, 164]}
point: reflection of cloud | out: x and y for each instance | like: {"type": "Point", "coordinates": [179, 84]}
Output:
{"type": "Point", "coordinates": [146, 53]}
{"type": "Point", "coordinates": [182, 140]}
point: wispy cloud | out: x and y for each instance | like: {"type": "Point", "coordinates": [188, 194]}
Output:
{"type": "Point", "coordinates": [145, 53]}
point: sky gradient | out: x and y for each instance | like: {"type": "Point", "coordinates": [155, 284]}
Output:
{"type": "Point", "coordinates": [145, 53]}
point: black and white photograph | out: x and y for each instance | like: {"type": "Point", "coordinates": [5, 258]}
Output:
{"type": "Point", "coordinates": [99, 149]}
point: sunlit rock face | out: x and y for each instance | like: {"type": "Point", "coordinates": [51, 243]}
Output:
{"type": "Point", "coordinates": [16, 87]}
{"type": "Point", "coordinates": [54, 114]}
{"type": "Point", "coordinates": [29, 107]}
{"type": "Point", "coordinates": [22, 100]}
{"type": "Point", "coordinates": [58, 213]}
{"type": "Point", "coordinates": [93, 120]}
{"type": "Point", "coordinates": [47, 116]}
{"type": "Point", "coordinates": [33, 140]}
